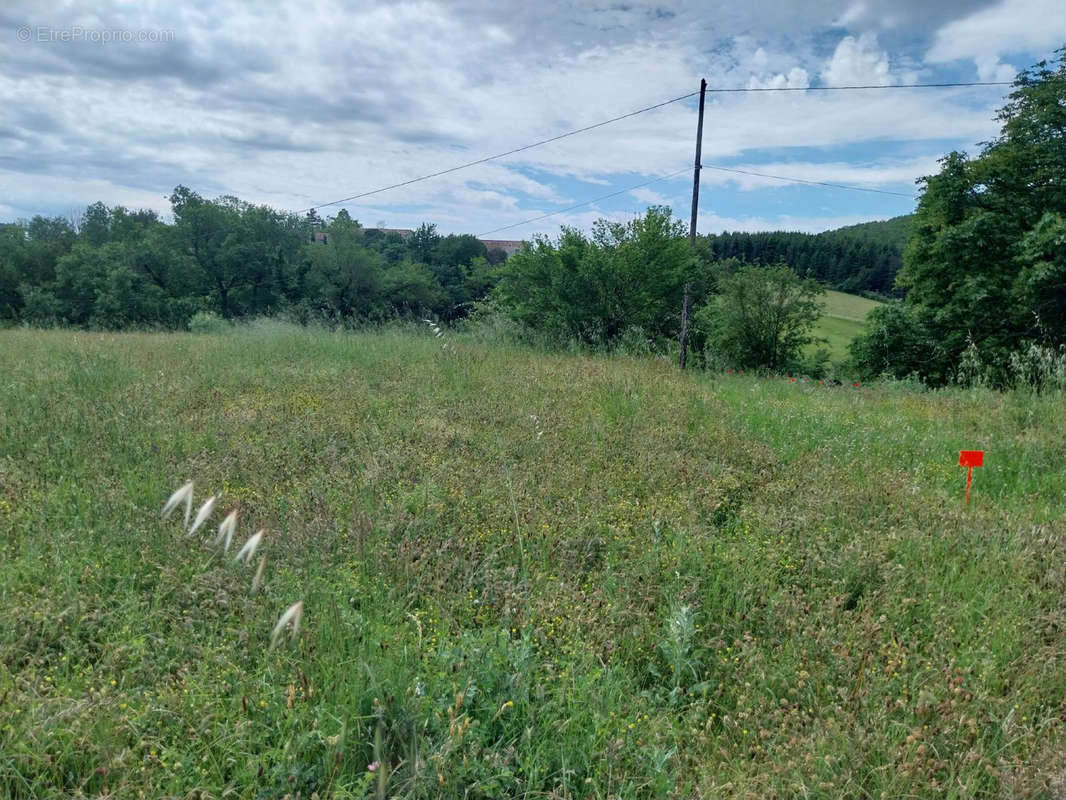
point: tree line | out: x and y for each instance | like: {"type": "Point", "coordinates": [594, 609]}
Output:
{"type": "Point", "coordinates": [115, 268]}
{"type": "Point", "coordinates": [855, 259]}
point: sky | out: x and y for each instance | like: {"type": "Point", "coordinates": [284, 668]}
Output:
{"type": "Point", "coordinates": [297, 104]}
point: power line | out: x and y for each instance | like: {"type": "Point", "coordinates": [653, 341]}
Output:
{"type": "Point", "coordinates": [576, 131]}
{"type": "Point", "coordinates": [586, 203]}
{"type": "Point", "coordinates": [866, 86]}
{"type": "Point", "coordinates": [502, 155]}
{"type": "Point", "coordinates": [809, 183]}
{"type": "Point", "coordinates": [702, 166]}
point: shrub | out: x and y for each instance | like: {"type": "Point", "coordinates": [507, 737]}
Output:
{"type": "Point", "coordinates": [208, 322]}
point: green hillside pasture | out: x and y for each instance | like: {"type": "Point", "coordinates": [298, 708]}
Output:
{"type": "Point", "coordinates": [524, 575]}
{"type": "Point", "coordinates": [844, 319]}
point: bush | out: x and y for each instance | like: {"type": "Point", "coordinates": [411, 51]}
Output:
{"type": "Point", "coordinates": [761, 318]}
{"type": "Point", "coordinates": [208, 322]}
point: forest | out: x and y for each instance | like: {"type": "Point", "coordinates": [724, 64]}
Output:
{"type": "Point", "coordinates": [113, 268]}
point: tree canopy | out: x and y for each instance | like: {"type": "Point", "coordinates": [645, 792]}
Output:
{"type": "Point", "coordinates": [115, 268]}
{"type": "Point", "coordinates": [624, 277]}
{"type": "Point", "coordinates": [985, 267]}
{"type": "Point", "coordinates": [761, 317]}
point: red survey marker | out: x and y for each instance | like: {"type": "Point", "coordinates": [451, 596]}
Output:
{"type": "Point", "coordinates": [970, 459]}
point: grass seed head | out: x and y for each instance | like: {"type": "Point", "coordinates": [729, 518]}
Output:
{"type": "Point", "coordinates": [257, 581]}
{"type": "Point", "coordinates": [182, 495]}
{"type": "Point", "coordinates": [203, 514]}
{"type": "Point", "coordinates": [248, 551]}
{"type": "Point", "coordinates": [226, 531]}
{"type": "Point", "coordinates": [293, 614]}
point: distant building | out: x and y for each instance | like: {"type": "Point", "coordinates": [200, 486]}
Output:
{"type": "Point", "coordinates": [509, 246]}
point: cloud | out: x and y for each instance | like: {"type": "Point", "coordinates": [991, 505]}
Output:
{"type": "Point", "coordinates": [713, 223]}
{"type": "Point", "coordinates": [322, 99]}
{"type": "Point", "coordinates": [1011, 26]}
{"type": "Point", "coordinates": [858, 62]}
{"type": "Point", "coordinates": [894, 174]}
{"type": "Point", "coordinates": [649, 197]}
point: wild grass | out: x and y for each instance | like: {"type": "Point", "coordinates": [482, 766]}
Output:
{"type": "Point", "coordinates": [522, 575]}
{"type": "Point", "coordinates": [843, 320]}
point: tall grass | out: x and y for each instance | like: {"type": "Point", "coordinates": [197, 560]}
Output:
{"type": "Point", "coordinates": [526, 574]}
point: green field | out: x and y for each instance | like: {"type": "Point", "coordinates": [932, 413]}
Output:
{"type": "Point", "coordinates": [843, 320]}
{"type": "Point", "coordinates": [524, 575]}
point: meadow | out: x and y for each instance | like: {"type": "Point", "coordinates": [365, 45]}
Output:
{"type": "Point", "coordinates": [844, 319]}
{"type": "Point", "coordinates": [523, 574]}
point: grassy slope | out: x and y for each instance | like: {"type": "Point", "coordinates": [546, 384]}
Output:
{"type": "Point", "coordinates": [843, 320]}
{"type": "Point", "coordinates": [662, 585]}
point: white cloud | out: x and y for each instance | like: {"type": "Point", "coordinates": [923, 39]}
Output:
{"type": "Point", "coordinates": [878, 175]}
{"type": "Point", "coordinates": [713, 223]}
{"type": "Point", "coordinates": [1012, 26]}
{"type": "Point", "coordinates": [325, 99]}
{"type": "Point", "coordinates": [648, 197]}
{"type": "Point", "coordinates": [854, 13]}
{"type": "Point", "coordinates": [858, 62]}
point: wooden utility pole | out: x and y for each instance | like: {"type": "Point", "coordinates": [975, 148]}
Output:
{"type": "Point", "coordinates": [692, 223]}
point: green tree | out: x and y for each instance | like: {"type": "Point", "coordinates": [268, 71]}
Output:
{"type": "Point", "coordinates": [982, 267]}
{"type": "Point", "coordinates": [344, 277]}
{"type": "Point", "coordinates": [762, 317]}
{"type": "Point", "coordinates": [595, 288]}
{"type": "Point", "coordinates": [411, 289]}
{"type": "Point", "coordinates": [1041, 281]}
{"type": "Point", "coordinates": [898, 342]}
{"type": "Point", "coordinates": [245, 254]}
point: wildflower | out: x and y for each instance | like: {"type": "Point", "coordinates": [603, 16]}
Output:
{"type": "Point", "coordinates": [293, 614]}
{"type": "Point", "coordinates": [182, 495]}
{"type": "Point", "coordinates": [226, 531]}
{"type": "Point", "coordinates": [246, 552]}
{"type": "Point", "coordinates": [372, 766]}
{"type": "Point", "coordinates": [202, 514]}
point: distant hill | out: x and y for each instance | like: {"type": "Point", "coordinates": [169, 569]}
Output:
{"type": "Point", "coordinates": [892, 232]}
{"type": "Point", "coordinates": [854, 259]}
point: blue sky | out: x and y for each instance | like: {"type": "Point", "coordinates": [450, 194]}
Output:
{"type": "Point", "coordinates": [308, 102]}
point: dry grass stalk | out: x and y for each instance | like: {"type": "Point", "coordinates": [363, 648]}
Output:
{"type": "Point", "coordinates": [182, 495]}
{"type": "Point", "coordinates": [226, 531]}
{"type": "Point", "coordinates": [293, 614]}
{"type": "Point", "coordinates": [257, 581]}
{"type": "Point", "coordinates": [203, 514]}
{"type": "Point", "coordinates": [248, 551]}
